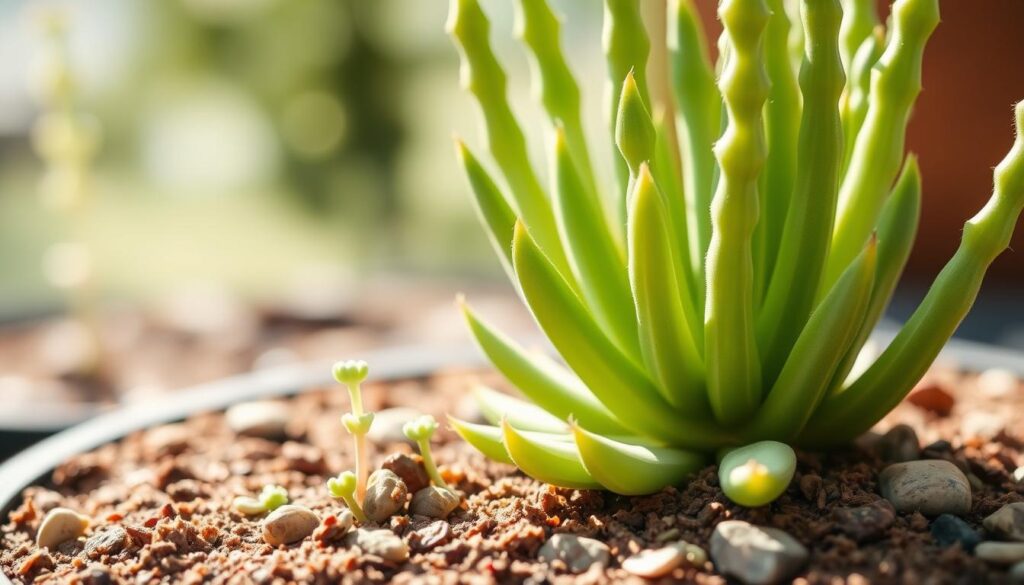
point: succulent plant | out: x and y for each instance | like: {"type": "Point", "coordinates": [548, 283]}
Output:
{"type": "Point", "coordinates": [718, 292]}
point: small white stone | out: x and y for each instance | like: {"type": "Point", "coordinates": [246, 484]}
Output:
{"type": "Point", "coordinates": [654, 563]}
{"type": "Point", "coordinates": [1000, 553]}
{"type": "Point", "coordinates": [288, 524]}
{"type": "Point", "coordinates": [387, 425]}
{"type": "Point", "coordinates": [381, 543]}
{"type": "Point", "coordinates": [265, 419]}
{"type": "Point", "coordinates": [1018, 474]}
{"type": "Point", "coordinates": [434, 502]}
{"type": "Point", "coordinates": [998, 382]}
{"type": "Point", "coordinates": [577, 552]}
{"type": "Point", "coordinates": [60, 525]}
{"type": "Point", "coordinates": [756, 555]}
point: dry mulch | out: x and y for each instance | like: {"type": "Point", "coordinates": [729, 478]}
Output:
{"type": "Point", "coordinates": [160, 500]}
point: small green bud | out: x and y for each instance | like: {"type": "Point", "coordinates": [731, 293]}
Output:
{"type": "Point", "coordinates": [351, 372]}
{"type": "Point", "coordinates": [357, 424]}
{"type": "Point", "coordinates": [342, 486]}
{"type": "Point", "coordinates": [273, 497]}
{"type": "Point", "coordinates": [420, 429]}
{"type": "Point", "coordinates": [758, 473]}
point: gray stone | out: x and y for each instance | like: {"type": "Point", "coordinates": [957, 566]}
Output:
{"type": "Point", "coordinates": [434, 502]}
{"type": "Point", "coordinates": [865, 523]}
{"type": "Point", "coordinates": [1017, 573]}
{"type": "Point", "coordinates": [385, 495]}
{"type": "Point", "coordinates": [288, 524]}
{"type": "Point", "coordinates": [381, 543]}
{"type": "Point", "coordinates": [900, 444]}
{"type": "Point", "coordinates": [1007, 522]}
{"type": "Point", "coordinates": [266, 419]}
{"type": "Point", "coordinates": [409, 468]}
{"type": "Point", "coordinates": [931, 487]}
{"type": "Point", "coordinates": [1000, 553]}
{"type": "Point", "coordinates": [387, 425]}
{"type": "Point", "coordinates": [948, 530]}
{"type": "Point", "coordinates": [108, 542]}
{"type": "Point", "coordinates": [756, 555]}
{"type": "Point", "coordinates": [577, 552]}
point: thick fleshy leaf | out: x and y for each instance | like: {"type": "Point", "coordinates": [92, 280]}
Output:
{"type": "Point", "coordinates": [497, 406]}
{"type": "Point", "coordinates": [545, 383]}
{"type": "Point", "coordinates": [632, 468]}
{"type": "Point", "coordinates": [613, 378]}
{"type": "Point", "coordinates": [755, 475]}
{"type": "Point", "coordinates": [666, 341]}
{"type": "Point", "coordinates": [550, 461]}
{"type": "Point", "coordinates": [486, 439]}
{"type": "Point", "coordinates": [495, 213]}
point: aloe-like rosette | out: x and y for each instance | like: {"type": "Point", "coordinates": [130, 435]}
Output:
{"type": "Point", "coordinates": [720, 306]}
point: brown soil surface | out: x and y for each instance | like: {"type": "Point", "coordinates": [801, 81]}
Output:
{"type": "Point", "coordinates": [162, 497]}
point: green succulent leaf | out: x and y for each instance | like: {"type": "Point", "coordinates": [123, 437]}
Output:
{"type": "Point", "coordinates": [493, 209]}
{"type": "Point", "coordinates": [550, 461]}
{"type": "Point", "coordinates": [632, 468]}
{"type": "Point", "coordinates": [757, 474]}
{"type": "Point", "coordinates": [496, 406]}
{"type": "Point", "coordinates": [547, 384]}
{"type": "Point", "coordinates": [484, 438]}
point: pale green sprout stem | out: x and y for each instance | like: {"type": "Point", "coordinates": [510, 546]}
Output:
{"type": "Point", "coordinates": [757, 474]}
{"type": "Point", "coordinates": [352, 373]}
{"type": "Point", "coordinates": [420, 431]}
{"type": "Point", "coordinates": [344, 487]}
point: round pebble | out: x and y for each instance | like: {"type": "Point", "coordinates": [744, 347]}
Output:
{"type": "Point", "coordinates": [899, 445]}
{"type": "Point", "coordinates": [387, 425]}
{"type": "Point", "coordinates": [381, 543]}
{"type": "Point", "coordinates": [948, 530]}
{"type": "Point", "coordinates": [577, 552]}
{"type": "Point", "coordinates": [60, 525]}
{"type": "Point", "coordinates": [756, 555]}
{"type": "Point", "coordinates": [1000, 553]}
{"type": "Point", "coordinates": [1007, 522]}
{"type": "Point", "coordinates": [434, 502]}
{"type": "Point", "coordinates": [266, 419]}
{"type": "Point", "coordinates": [288, 524]}
{"type": "Point", "coordinates": [409, 468]}
{"type": "Point", "coordinates": [654, 563]}
{"type": "Point", "coordinates": [931, 487]}
{"type": "Point", "coordinates": [385, 495]}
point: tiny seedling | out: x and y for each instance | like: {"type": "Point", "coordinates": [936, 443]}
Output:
{"type": "Point", "coordinates": [718, 290]}
{"type": "Point", "coordinates": [270, 498]}
{"type": "Point", "coordinates": [420, 431]}
{"type": "Point", "coordinates": [344, 487]}
{"type": "Point", "coordinates": [352, 373]}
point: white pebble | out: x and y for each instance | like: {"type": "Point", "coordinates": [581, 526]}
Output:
{"type": "Point", "coordinates": [60, 525]}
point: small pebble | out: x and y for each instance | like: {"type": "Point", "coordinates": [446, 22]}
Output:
{"type": "Point", "coordinates": [577, 552]}
{"type": "Point", "coordinates": [1018, 474]}
{"type": "Point", "coordinates": [432, 535]}
{"type": "Point", "coordinates": [983, 425]}
{"type": "Point", "coordinates": [266, 419]}
{"type": "Point", "coordinates": [387, 425]}
{"type": "Point", "coordinates": [1007, 522]}
{"type": "Point", "coordinates": [385, 495]}
{"type": "Point", "coordinates": [932, 398]}
{"type": "Point", "coordinates": [108, 542]}
{"type": "Point", "coordinates": [289, 523]}
{"type": "Point", "coordinates": [931, 487]}
{"type": "Point", "coordinates": [409, 468]}
{"type": "Point", "coordinates": [1017, 573]}
{"type": "Point", "coordinates": [334, 527]}
{"type": "Point", "coordinates": [756, 555]}
{"type": "Point", "coordinates": [60, 525]}
{"type": "Point", "coordinates": [1000, 553]}
{"type": "Point", "coordinates": [948, 530]}
{"type": "Point", "coordinates": [865, 523]}
{"type": "Point", "coordinates": [434, 502]}
{"type": "Point", "coordinates": [899, 445]}
{"type": "Point", "coordinates": [381, 543]}
{"type": "Point", "coordinates": [654, 563]}
{"type": "Point", "coordinates": [998, 382]}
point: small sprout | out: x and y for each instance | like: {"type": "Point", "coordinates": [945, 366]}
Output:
{"type": "Point", "coordinates": [420, 430]}
{"type": "Point", "coordinates": [756, 474]}
{"type": "Point", "coordinates": [351, 373]}
{"type": "Point", "coordinates": [344, 487]}
{"type": "Point", "coordinates": [271, 498]}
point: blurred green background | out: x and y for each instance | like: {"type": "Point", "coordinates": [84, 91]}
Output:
{"type": "Point", "coordinates": [251, 143]}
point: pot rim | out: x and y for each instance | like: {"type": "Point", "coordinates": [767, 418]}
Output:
{"type": "Point", "coordinates": [408, 361]}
